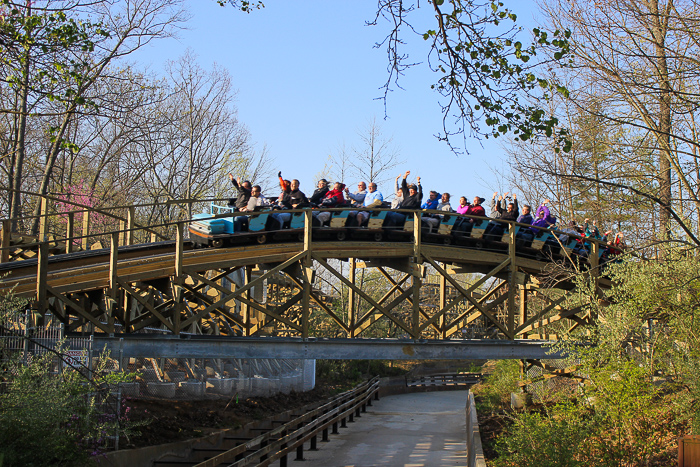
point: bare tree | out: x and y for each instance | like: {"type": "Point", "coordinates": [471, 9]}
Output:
{"type": "Point", "coordinates": [639, 61]}
{"type": "Point", "coordinates": [372, 159]}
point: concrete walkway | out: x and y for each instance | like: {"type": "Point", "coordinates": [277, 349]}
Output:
{"type": "Point", "coordinates": [421, 429]}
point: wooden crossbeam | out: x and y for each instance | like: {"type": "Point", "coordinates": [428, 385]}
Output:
{"type": "Point", "coordinates": [137, 296]}
{"type": "Point", "coordinates": [362, 294]}
{"type": "Point", "coordinates": [320, 303]}
{"type": "Point", "coordinates": [77, 308]}
{"type": "Point", "coordinates": [553, 304]}
{"type": "Point", "coordinates": [546, 322]}
{"type": "Point", "coordinates": [235, 294]}
{"type": "Point", "coordinates": [466, 293]}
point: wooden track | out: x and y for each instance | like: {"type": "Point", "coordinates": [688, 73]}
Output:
{"type": "Point", "coordinates": [172, 286]}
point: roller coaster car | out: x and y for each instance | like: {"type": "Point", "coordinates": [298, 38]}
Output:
{"type": "Point", "coordinates": [335, 228]}
{"type": "Point", "coordinates": [209, 230]}
{"type": "Point", "coordinates": [438, 229]}
{"type": "Point", "coordinates": [468, 231]}
{"type": "Point", "coordinates": [372, 229]}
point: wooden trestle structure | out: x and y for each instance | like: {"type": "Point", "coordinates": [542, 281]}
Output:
{"type": "Point", "coordinates": [430, 291]}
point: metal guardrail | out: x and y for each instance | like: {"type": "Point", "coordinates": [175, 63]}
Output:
{"type": "Point", "coordinates": [475, 453]}
{"type": "Point", "coordinates": [447, 379]}
{"type": "Point", "coordinates": [277, 443]}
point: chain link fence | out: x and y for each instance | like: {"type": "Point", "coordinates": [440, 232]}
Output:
{"type": "Point", "coordinates": [545, 384]}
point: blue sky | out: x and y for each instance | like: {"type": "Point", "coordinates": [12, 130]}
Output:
{"type": "Point", "coordinates": [308, 78]}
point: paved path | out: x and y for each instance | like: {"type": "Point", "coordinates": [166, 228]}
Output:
{"type": "Point", "coordinates": [422, 429]}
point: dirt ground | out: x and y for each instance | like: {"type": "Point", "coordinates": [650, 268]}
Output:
{"type": "Point", "coordinates": [166, 421]}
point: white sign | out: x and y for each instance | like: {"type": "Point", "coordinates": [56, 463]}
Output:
{"type": "Point", "coordinates": [75, 358]}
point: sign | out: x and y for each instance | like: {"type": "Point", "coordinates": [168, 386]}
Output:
{"type": "Point", "coordinates": [75, 358]}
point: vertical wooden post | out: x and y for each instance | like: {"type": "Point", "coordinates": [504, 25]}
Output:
{"type": "Point", "coordinates": [177, 280]}
{"type": "Point", "coordinates": [44, 220]}
{"type": "Point", "coordinates": [122, 232]}
{"type": "Point", "coordinates": [351, 298]}
{"type": "Point", "coordinates": [512, 286]}
{"type": "Point", "coordinates": [113, 283]}
{"type": "Point", "coordinates": [41, 278]}
{"type": "Point", "coordinates": [523, 307]}
{"type": "Point", "coordinates": [153, 237]}
{"type": "Point", "coordinates": [416, 279]}
{"type": "Point", "coordinates": [86, 230]}
{"type": "Point", "coordinates": [6, 237]}
{"type": "Point", "coordinates": [593, 260]}
{"type": "Point", "coordinates": [70, 230]}
{"type": "Point", "coordinates": [307, 273]}
{"type": "Point", "coordinates": [245, 309]}
{"type": "Point", "coordinates": [443, 303]}
{"type": "Point", "coordinates": [130, 217]}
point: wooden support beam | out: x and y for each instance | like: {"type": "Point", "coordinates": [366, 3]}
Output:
{"type": "Point", "coordinates": [130, 224]}
{"type": "Point", "coordinates": [467, 294]}
{"type": "Point", "coordinates": [178, 278]}
{"type": "Point", "coordinates": [86, 230]}
{"type": "Point", "coordinates": [139, 298]}
{"type": "Point", "coordinates": [42, 278]}
{"type": "Point", "coordinates": [259, 280]}
{"type": "Point", "coordinates": [5, 241]}
{"type": "Point", "coordinates": [512, 284]}
{"type": "Point", "coordinates": [307, 273]}
{"type": "Point", "coordinates": [70, 231]}
{"type": "Point", "coordinates": [416, 278]}
{"type": "Point", "coordinates": [547, 321]}
{"type": "Point", "coordinates": [442, 301]}
{"type": "Point", "coordinates": [321, 304]}
{"type": "Point", "coordinates": [78, 309]}
{"type": "Point", "coordinates": [395, 287]}
{"type": "Point", "coordinates": [351, 299]}
{"type": "Point", "coordinates": [362, 294]}
{"type": "Point", "coordinates": [552, 305]}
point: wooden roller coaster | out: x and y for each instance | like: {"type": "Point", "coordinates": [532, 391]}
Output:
{"type": "Point", "coordinates": [165, 284]}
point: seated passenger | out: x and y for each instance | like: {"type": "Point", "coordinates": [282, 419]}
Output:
{"type": "Point", "coordinates": [526, 217]}
{"type": "Point", "coordinates": [358, 198]}
{"type": "Point", "coordinates": [319, 193]}
{"type": "Point", "coordinates": [398, 195]}
{"type": "Point", "coordinates": [256, 201]}
{"type": "Point", "coordinates": [524, 237]}
{"type": "Point", "coordinates": [243, 191]}
{"type": "Point", "coordinates": [502, 203]}
{"type": "Point", "coordinates": [463, 226]}
{"type": "Point", "coordinates": [615, 246]}
{"type": "Point", "coordinates": [569, 229]}
{"type": "Point", "coordinates": [334, 198]}
{"type": "Point", "coordinates": [433, 220]}
{"type": "Point", "coordinates": [494, 231]}
{"type": "Point", "coordinates": [549, 219]}
{"type": "Point", "coordinates": [373, 199]}
{"type": "Point", "coordinates": [412, 196]}
{"type": "Point", "coordinates": [291, 199]}
{"type": "Point", "coordinates": [591, 231]}
{"type": "Point", "coordinates": [463, 205]}
{"type": "Point", "coordinates": [432, 202]}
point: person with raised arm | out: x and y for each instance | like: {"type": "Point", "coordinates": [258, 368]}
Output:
{"type": "Point", "coordinates": [494, 231]}
{"type": "Point", "coordinates": [292, 198]}
{"type": "Point", "coordinates": [412, 196]}
{"type": "Point", "coordinates": [243, 189]}
{"type": "Point", "coordinates": [398, 194]}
